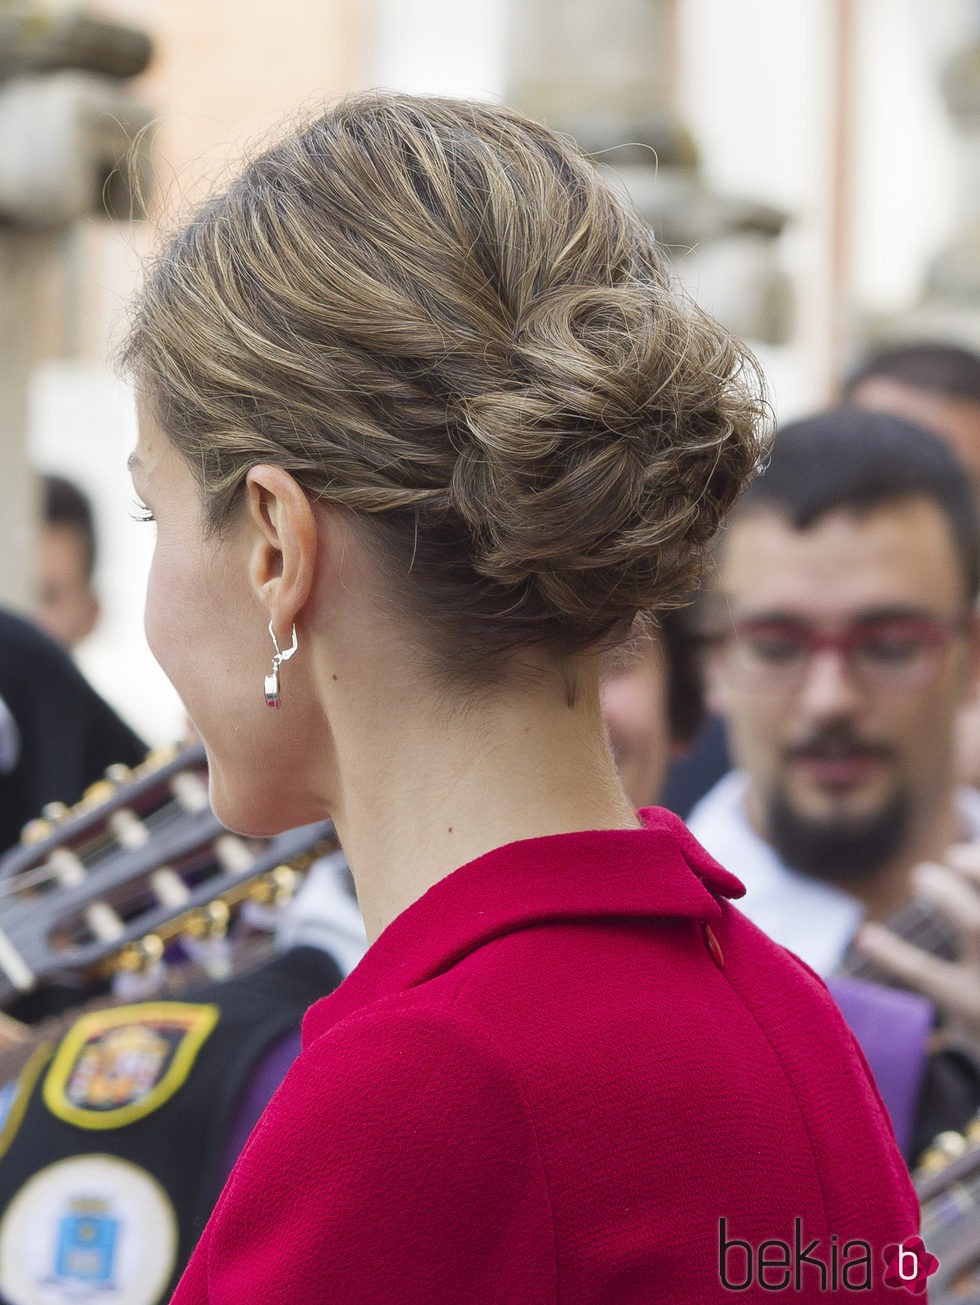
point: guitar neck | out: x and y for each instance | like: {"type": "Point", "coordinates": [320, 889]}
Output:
{"type": "Point", "coordinates": [141, 863]}
{"type": "Point", "coordinates": [919, 924]}
{"type": "Point", "coordinates": [948, 1186]}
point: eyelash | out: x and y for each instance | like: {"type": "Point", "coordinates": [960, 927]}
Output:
{"type": "Point", "coordinates": [141, 513]}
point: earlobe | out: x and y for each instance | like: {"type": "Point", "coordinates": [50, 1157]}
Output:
{"type": "Point", "coordinates": [975, 656]}
{"type": "Point", "coordinates": [714, 689]}
{"type": "Point", "coordinates": [282, 562]}
{"type": "Point", "coordinates": [93, 610]}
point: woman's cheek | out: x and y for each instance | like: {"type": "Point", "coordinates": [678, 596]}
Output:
{"type": "Point", "coordinates": [164, 618]}
{"type": "Point", "coordinates": [152, 619]}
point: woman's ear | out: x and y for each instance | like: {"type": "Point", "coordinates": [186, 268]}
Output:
{"type": "Point", "coordinates": [283, 559]}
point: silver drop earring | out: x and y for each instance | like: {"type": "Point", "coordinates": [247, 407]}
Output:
{"type": "Point", "coordinates": [272, 695]}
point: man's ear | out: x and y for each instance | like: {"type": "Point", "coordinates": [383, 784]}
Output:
{"type": "Point", "coordinates": [93, 610]}
{"type": "Point", "coordinates": [715, 685]}
{"type": "Point", "coordinates": [973, 690]}
{"type": "Point", "coordinates": [283, 558]}
{"type": "Point", "coordinates": [711, 614]}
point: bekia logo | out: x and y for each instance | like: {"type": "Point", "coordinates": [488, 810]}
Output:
{"type": "Point", "coordinates": [819, 1265]}
{"type": "Point", "coordinates": [909, 1265]}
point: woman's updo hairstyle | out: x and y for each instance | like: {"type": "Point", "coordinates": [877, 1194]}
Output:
{"type": "Point", "coordinates": [438, 315]}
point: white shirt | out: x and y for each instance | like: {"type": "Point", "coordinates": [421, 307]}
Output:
{"type": "Point", "coordinates": [324, 913]}
{"type": "Point", "coordinates": [815, 920]}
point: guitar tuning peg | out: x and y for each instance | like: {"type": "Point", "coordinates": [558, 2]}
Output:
{"type": "Point", "coordinates": [276, 887]}
{"type": "Point", "coordinates": [36, 831]}
{"type": "Point", "coordinates": [321, 848]}
{"type": "Point", "coordinates": [55, 811]}
{"type": "Point", "coordinates": [118, 774]}
{"type": "Point", "coordinates": [210, 921]}
{"type": "Point", "coordinates": [945, 1148]}
{"type": "Point", "coordinates": [285, 881]}
{"type": "Point", "coordinates": [96, 794]}
{"type": "Point", "coordinates": [141, 956]}
{"type": "Point", "coordinates": [156, 758]}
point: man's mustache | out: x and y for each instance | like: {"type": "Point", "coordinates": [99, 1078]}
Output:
{"type": "Point", "coordinates": [833, 743]}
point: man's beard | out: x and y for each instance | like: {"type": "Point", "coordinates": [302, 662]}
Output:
{"type": "Point", "coordinates": [841, 850]}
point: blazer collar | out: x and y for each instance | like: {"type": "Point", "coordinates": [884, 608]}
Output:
{"type": "Point", "coordinates": [657, 872]}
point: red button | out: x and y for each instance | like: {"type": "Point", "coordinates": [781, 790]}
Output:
{"type": "Point", "coordinates": [713, 946]}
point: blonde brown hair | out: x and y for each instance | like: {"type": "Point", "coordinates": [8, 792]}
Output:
{"type": "Point", "coordinates": [436, 314]}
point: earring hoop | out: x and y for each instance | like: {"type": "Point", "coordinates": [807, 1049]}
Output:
{"type": "Point", "coordinates": [273, 696]}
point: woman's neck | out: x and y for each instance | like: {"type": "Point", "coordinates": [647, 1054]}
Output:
{"type": "Point", "coordinates": [423, 786]}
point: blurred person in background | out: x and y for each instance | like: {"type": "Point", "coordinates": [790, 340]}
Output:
{"type": "Point", "coordinates": [61, 735]}
{"type": "Point", "coordinates": [67, 604]}
{"type": "Point", "coordinates": [653, 704]}
{"type": "Point", "coordinates": [934, 384]}
{"type": "Point", "coordinates": [938, 385]}
{"type": "Point", "coordinates": [841, 646]}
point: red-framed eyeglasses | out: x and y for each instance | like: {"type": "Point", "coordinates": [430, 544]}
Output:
{"type": "Point", "coordinates": [889, 652]}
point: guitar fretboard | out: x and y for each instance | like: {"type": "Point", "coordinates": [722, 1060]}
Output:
{"type": "Point", "coordinates": [140, 863]}
{"type": "Point", "coordinates": [918, 923]}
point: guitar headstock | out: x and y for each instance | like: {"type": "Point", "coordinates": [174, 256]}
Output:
{"type": "Point", "coordinates": [948, 1183]}
{"type": "Point", "coordinates": [141, 861]}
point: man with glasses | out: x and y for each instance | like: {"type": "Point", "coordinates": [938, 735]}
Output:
{"type": "Point", "coordinates": [840, 643]}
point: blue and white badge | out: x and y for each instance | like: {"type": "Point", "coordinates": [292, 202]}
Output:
{"type": "Point", "coordinates": [86, 1244]}
{"type": "Point", "coordinates": [92, 1229]}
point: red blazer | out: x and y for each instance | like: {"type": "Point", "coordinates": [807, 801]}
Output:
{"type": "Point", "coordinates": [551, 1080]}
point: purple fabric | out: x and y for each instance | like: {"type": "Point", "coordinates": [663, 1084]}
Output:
{"type": "Point", "coordinates": [893, 1028]}
{"type": "Point", "coordinates": [270, 1073]}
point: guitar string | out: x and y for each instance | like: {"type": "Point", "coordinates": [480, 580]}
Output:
{"type": "Point", "coordinates": [950, 1205]}
{"type": "Point", "coordinates": [47, 873]}
{"type": "Point", "coordinates": [185, 792]}
{"type": "Point", "coordinates": [920, 924]}
{"type": "Point", "coordinates": [43, 874]}
{"type": "Point", "coordinates": [50, 874]}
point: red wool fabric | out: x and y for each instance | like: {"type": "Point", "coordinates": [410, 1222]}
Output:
{"type": "Point", "coordinates": [548, 1081]}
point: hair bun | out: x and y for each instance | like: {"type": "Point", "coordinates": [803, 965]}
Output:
{"type": "Point", "coordinates": [603, 476]}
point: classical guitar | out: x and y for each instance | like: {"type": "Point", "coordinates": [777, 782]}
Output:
{"type": "Point", "coordinates": [140, 864]}
{"type": "Point", "coordinates": [948, 1184]}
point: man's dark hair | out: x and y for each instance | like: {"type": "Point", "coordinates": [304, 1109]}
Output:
{"type": "Point", "coordinates": [64, 504]}
{"type": "Point", "coordinates": [858, 460]}
{"type": "Point", "coordinates": [946, 369]}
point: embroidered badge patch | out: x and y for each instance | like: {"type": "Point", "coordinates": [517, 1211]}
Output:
{"type": "Point", "coordinates": [119, 1065]}
{"type": "Point", "coordinates": [93, 1228]}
